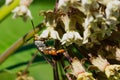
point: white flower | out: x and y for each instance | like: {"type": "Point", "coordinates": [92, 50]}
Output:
{"type": "Point", "coordinates": [22, 11]}
{"type": "Point", "coordinates": [88, 20]}
{"type": "Point", "coordinates": [50, 22]}
{"type": "Point", "coordinates": [71, 37]}
{"type": "Point", "coordinates": [99, 62]}
{"type": "Point", "coordinates": [77, 67]}
{"type": "Point", "coordinates": [87, 32]}
{"type": "Point", "coordinates": [50, 33]}
{"type": "Point", "coordinates": [66, 20]}
{"type": "Point", "coordinates": [92, 30]}
{"type": "Point", "coordinates": [79, 71]}
{"type": "Point", "coordinates": [7, 2]}
{"type": "Point", "coordinates": [112, 72]}
{"type": "Point", "coordinates": [112, 9]}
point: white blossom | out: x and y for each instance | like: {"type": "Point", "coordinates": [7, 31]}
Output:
{"type": "Point", "coordinates": [87, 32]}
{"type": "Point", "coordinates": [49, 33]}
{"type": "Point", "coordinates": [77, 67]}
{"type": "Point", "coordinates": [96, 28]}
{"type": "Point", "coordinates": [71, 37]}
{"type": "Point", "coordinates": [22, 11]}
{"type": "Point", "coordinates": [50, 23]}
{"type": "Point", "coordinates": [99, 62]}
{"type": "Point", "coordinates": [66, 20]}
{"type": "Point", "coordinates": [112, 9]}
{"type": "Point", "coordinates": [78, 70]}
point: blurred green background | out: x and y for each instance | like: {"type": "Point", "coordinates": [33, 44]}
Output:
{"type": "Point", "coordinates": [10, 31]}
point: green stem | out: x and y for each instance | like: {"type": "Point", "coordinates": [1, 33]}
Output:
{"type": "Point", "coordinates": [55, 71]}
{"type": "Point", "coordinates": [46, 58]}
{"type": "Point", "coordinates": [6, 9]}
{"type": "Point", "coordinates": [30, 62]}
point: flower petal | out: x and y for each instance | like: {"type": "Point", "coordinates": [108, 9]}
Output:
{"type": "Point", "coordinates": [44, 34]}
{"type": "Point", "coordinates": [54, 34]}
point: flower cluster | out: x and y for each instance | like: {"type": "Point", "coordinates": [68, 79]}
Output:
{"type": "Point", "coordinates": [84, 22]}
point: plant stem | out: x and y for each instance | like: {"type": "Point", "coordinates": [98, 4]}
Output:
{"type": "Point", "coordinates": [47, 59]}
{"type": "Point", "coordinates": [55, 71]}
{"type": "Point", "coordinates": [30, 62]}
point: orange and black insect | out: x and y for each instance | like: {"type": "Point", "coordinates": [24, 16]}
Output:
{"type": "Point", "coordinates": [40, 44]}
{"type": "Point", "coordinates": [54, 52]}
